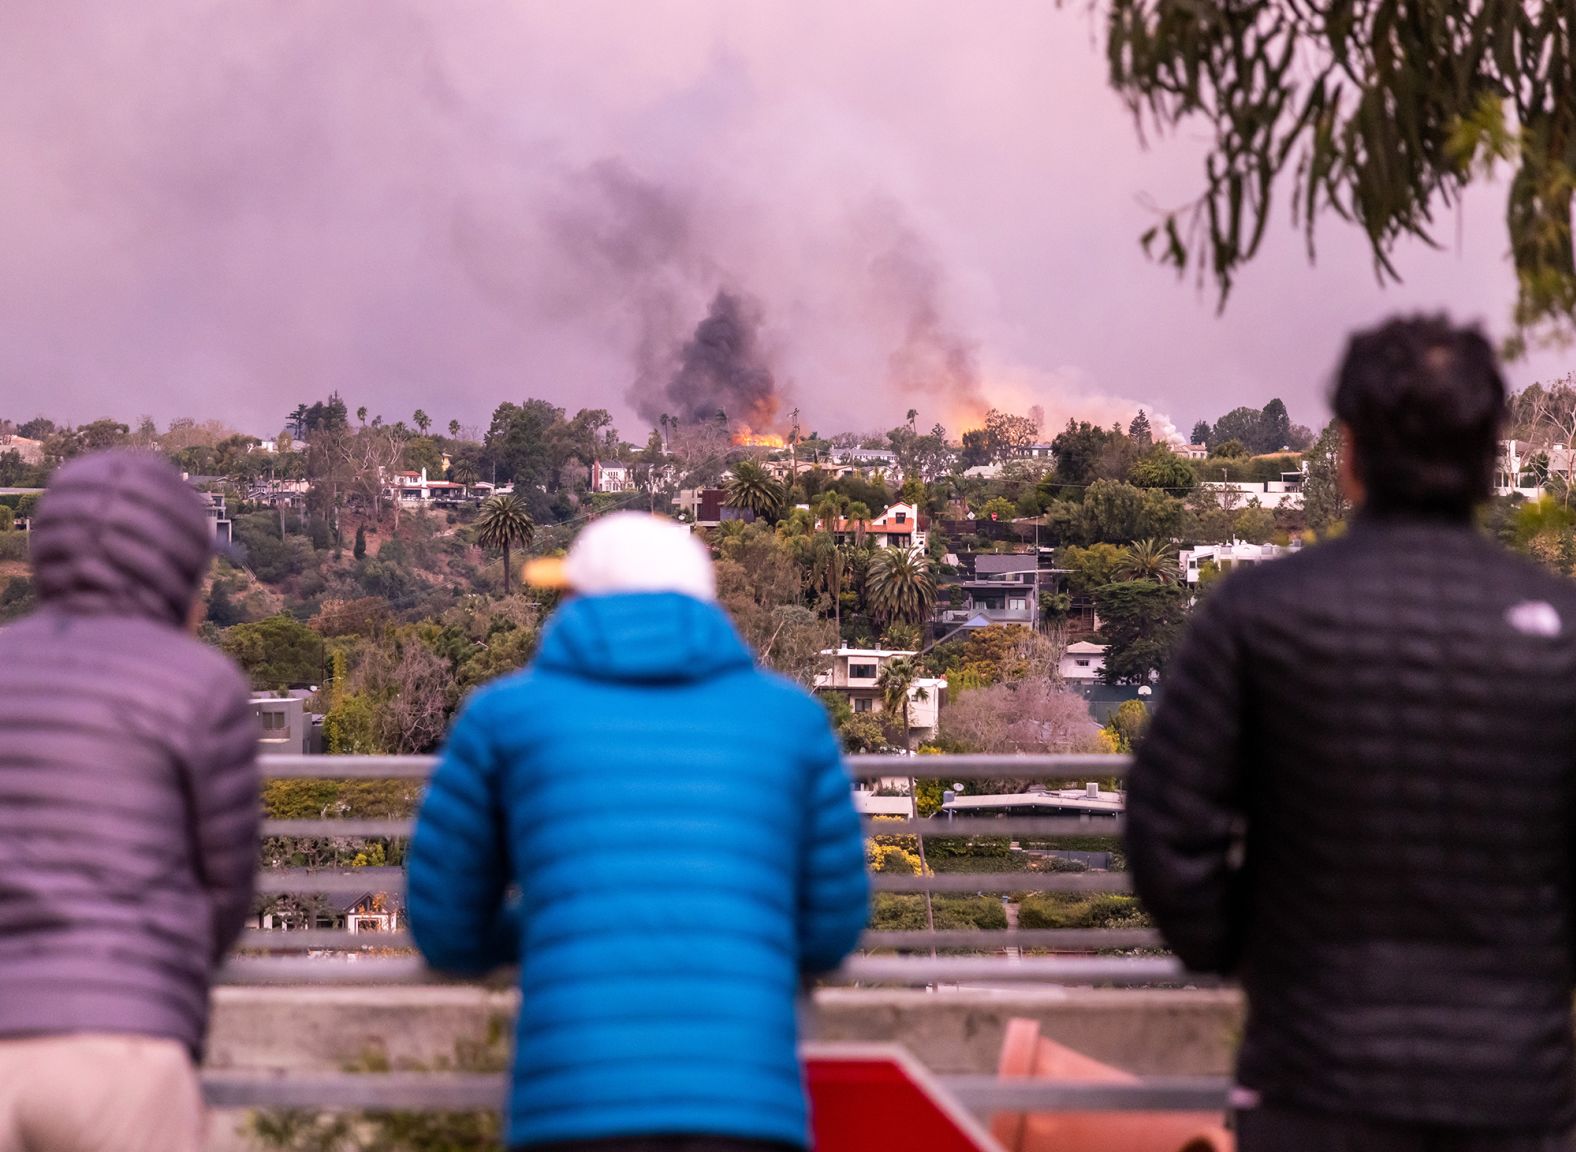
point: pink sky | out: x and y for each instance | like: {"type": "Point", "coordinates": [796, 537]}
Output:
{"type": "Point", "coordinates": [221, 208]}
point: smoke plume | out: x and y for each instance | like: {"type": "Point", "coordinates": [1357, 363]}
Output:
{"type": "Point", "coordinates": [232, 206]}
{"type": "Point", "coordinates": [721, 368]}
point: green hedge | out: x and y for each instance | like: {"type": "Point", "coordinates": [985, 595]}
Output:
{"type": "Point", "coordinates": [904, 912]}
{"type": "Point", "coordinates": [1076, 910]}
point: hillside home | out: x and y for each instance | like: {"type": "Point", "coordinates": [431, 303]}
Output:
{"type": "Point", "coordinates": [855, 674]}
{"type": "Point", "coordinates": [900, 526]}
{"type": "Point", "coordinates": [994, 588]}
{"type": "Point", "coordinates": [417, 488]}
{"type": "Point", "coordinates": [1235, 494]}
{"type": "Point", "coordinates": [611, 477]}
{"type": "Point", "coordinates": [1081, 663]}
{"type": "Point", "coordinates": [1225, 557]}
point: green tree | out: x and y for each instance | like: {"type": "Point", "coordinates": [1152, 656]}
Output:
{"type": "Point", "coordinates": [276, 653]}
{"type": "Point", "coordinates": [1091, 568]}
{"type": "Point", "coordinates": [464, 472]}
{"type": "Point", "coordinates": [1202, 433]}
{"type": "Point", "coordinates": [1322, 500]}
{"type": "Point", "coordinates": [900, 585]}
{"type": "Point", "coordinates": [756, 490]}
{"type": "Point", "coordinates": [1149, 560]}
{"type": "Point", "coordinates": [504, 524]}
{"type": "Point", "coordinates": [998, 508]}
{"type": "Point", "coordinates": [1126, 725]}
{"type": "Point", "coordinates": [1139, 431]}
{"type": "Point", "coordinates": [1141, 622]}
{"type": "Point", "coordinates": [422, 421]}
{"type": "Point", "coordinates": [1255, 524]}
{"type": "Point", "coordinates": [896, 685]}
{"type": "Point", "coordinates": [1115, 512]}
{"type": "Point", "coordinates": [1162, 468]}
{"type": "Point", "coordinates": [1377, 112]}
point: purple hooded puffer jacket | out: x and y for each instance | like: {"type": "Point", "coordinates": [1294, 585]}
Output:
{"type": "Point", "coordinates": [128, 779]}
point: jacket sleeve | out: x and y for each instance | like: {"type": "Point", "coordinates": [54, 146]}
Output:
{"type": "Point", "coordinates": [834, 890]}
{"type": "Point", "coordinates": [458, 867]}
{"type": "Point", "coordinates": [1185, 804]}
{"type": "Point", "coordinates": [225, 793]}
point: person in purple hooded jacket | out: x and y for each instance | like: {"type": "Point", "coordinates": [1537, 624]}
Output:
{"type": "Point", "coordinates": [128, 817]}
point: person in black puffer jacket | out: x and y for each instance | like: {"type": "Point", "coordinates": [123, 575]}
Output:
{"type": "Point", "coordinates": [1358, 795]}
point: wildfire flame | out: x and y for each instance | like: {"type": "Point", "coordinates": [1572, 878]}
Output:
{"type": "Point", "coordinates": [747, 437]}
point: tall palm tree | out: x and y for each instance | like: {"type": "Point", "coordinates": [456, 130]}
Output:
{"type": "Point", "coordinates": [754, 489]}
{"type": "Point", "coordinates": [896, 684]}
{"type": "Point", "coordinates": [464, 472]}
{"type": "Point", "coordinates": [829, 565]}
{"type": "Point", "coordinates": [1149, 560]}
{"type": "Point", "coordinates": [900, 585]}
{"type": "Point", "coordinates": [504, 523]}
{"type": "Point", "coordinates": [422, 421]}
{"type": "Point", "coordinates": [454, 429]}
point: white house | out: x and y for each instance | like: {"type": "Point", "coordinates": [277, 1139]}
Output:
{"type": "Point", "coordinates": [899, 526]}
{"type": "Point", "coordinates": [1193, 451]}
{"type": "Point", "coordinates": [1082, 662]}
{"type": "Point", "coordinates": [1225, 557]}
{"type": "Point", "coordinates": [611, 477]}
{"type": "Point", "coordinates": [1521, 468]}
{"type": "Point", "coordinates": [855, 673]}
{"type": "Point", "coordinates": [1233, 494]}
{"type": "Point", "coordinates": [417, 488]}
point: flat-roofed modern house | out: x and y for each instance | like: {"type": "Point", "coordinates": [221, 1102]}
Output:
{"type": "Point", "coordinates": [287, 728]}
{"type": "Point", "coordinates": [855, 674]}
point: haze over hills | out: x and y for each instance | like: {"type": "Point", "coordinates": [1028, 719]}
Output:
{"type": "Point", "coordinates": [218, 209]}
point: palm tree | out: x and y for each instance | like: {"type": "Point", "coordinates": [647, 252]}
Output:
{"type": "Point", "coordinates": [898, 693]}
{"type": "Point", "coordinates": [454, 429]}
{"type": "Point", "coordinates": [464, 472]}
{"type": "Point", "coordinates": [1149, 560]}
{"type": "Point", "coordinates": [829, 564]}
{"type": "Point", "coordinates": [755, 490]}
{"type": "Point", "coordinates": [504, 523]}
{"type": "Point", "coordinates": [422, 421]}
{"type": "Point", "coordinates": [900, 585]}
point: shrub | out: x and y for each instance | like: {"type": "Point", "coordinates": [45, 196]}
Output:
{"type": "Point", "coordinates": [1079, 910]}
{"type": "Point", "coordinates": [904, 912]}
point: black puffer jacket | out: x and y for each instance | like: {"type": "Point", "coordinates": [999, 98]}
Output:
{"type": "Point", "coordinates": [1391, 718]}
{"type": "Point", "coordinates": [128, 784]}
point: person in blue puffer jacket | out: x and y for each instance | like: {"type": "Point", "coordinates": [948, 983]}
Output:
{"type": "Point", "coordinates": [663, 837]}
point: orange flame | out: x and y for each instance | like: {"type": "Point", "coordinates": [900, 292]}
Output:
{"type": "Point", "coordinates": [747, 437]}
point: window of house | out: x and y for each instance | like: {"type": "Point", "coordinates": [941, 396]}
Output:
{"type": "Point", "coordinates": [902, 517]}
{"type": "Point", "coordinates": [1018, 604]}
{"type": "Point", "coordinates": [1081, 663]}
{"type": "Point", "coordinates": [861, 671]}
{"type": "Point", "coordinates": [863, 704]}
{"type": "Point", "coordinates": [275, 722]}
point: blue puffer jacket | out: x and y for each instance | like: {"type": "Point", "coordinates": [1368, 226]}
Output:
{"type": "Point", "coordinates": [682, 834]}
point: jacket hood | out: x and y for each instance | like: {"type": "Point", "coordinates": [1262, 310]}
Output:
{"type": "Point", "coordinates": [120, 532]}
{"type": "Point", "coordinates": [642, 637]}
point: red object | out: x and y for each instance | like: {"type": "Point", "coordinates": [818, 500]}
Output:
{"type": "Point", "coordinates": [864, 1098]}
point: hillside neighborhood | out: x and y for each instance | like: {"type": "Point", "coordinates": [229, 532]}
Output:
{"type": "Point", "coordinates": [1016, 589]}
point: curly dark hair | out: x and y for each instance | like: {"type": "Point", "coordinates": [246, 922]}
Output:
{"type": "Point", "coordinates": [1424, 401]}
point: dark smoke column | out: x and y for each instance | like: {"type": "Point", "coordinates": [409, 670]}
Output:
{"type": "Point", "coordinates": [722, 367]}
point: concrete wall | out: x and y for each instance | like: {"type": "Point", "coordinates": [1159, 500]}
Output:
{"type": "Point", "coordinates": [953, 1031]}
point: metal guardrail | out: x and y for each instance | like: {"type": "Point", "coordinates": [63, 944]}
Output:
{"type": "Point", "coordinates": [373, 959]}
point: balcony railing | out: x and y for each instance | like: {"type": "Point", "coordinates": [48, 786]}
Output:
{"type": "Point", "coordinates": [907, 959]}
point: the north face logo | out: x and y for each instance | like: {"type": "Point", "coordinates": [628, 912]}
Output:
{"type": "Point", "coordinates": [1534, 618]}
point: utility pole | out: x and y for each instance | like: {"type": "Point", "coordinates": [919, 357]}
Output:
{"type": "Point", "coordinates": [793, 447]}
